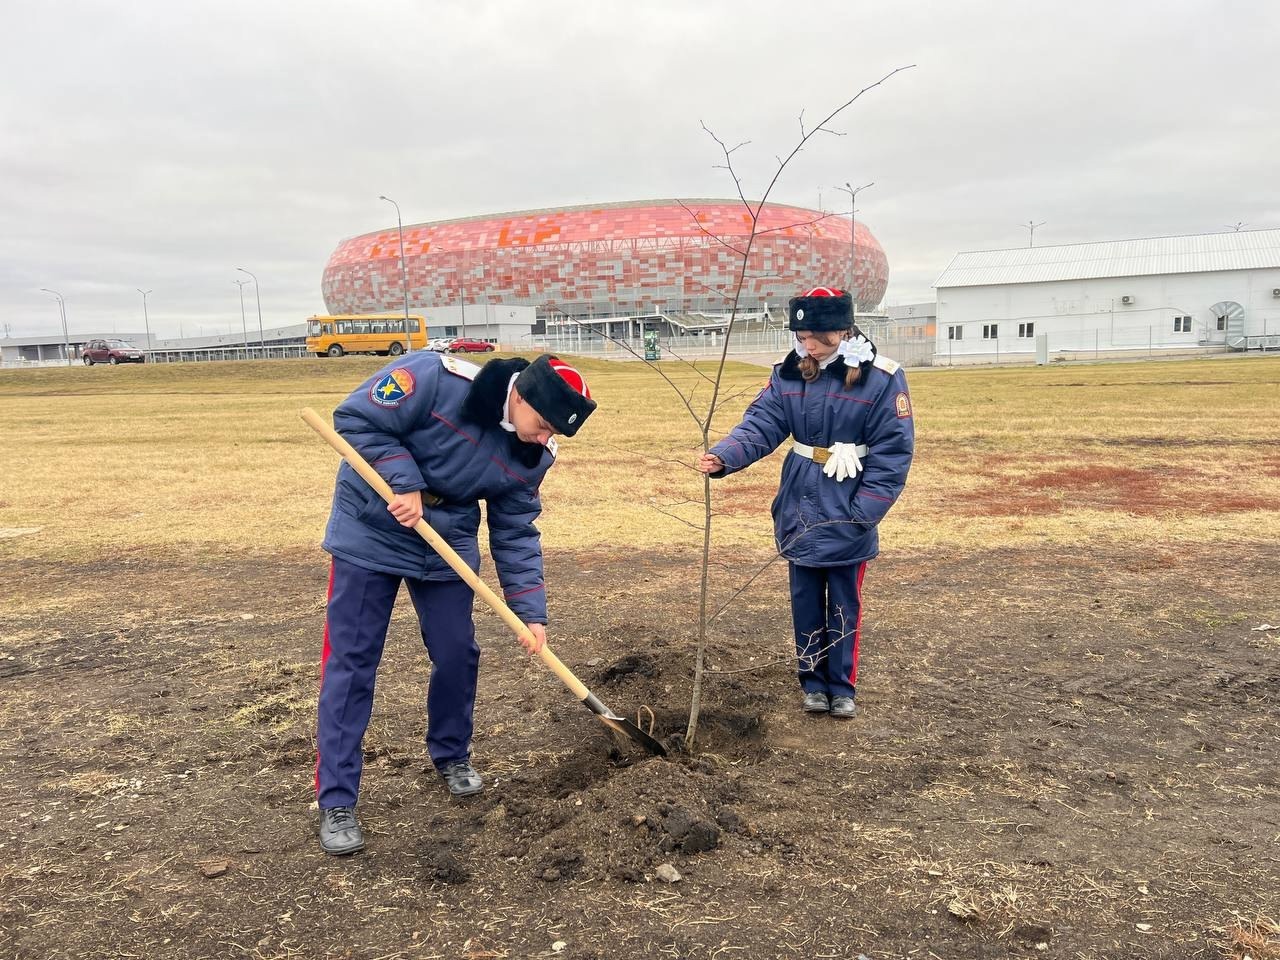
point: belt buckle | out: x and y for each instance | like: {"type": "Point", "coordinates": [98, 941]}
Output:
{"type": "Point", "coordinates": [821, 454]}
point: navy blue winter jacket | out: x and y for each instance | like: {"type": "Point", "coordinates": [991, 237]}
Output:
{"type": "Point", "coordinates": [430, 423]}
{"type": "Point", "coordinates": [817, 521]}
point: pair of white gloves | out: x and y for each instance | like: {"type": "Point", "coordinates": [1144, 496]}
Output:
{"type": "Point", "coordinates": [844, 461]}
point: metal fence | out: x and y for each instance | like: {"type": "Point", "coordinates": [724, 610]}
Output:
{"type": "Point", "coordinates": [909, 351]}
{"type": "Point", "coordinates": [280, 351]}
{"type": "Point", "coordinates": [184, 355]}
{"type": "Point", "coordinates": [1144, 343]}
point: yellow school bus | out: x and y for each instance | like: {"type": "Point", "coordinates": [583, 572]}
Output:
{"type": "Point", "coordinates": [381, 333]}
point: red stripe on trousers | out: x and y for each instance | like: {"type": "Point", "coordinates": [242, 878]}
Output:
{"type": "Point", "coordinates": [857, 630]}
{"type": "Point", "coordinates": [324, 658]}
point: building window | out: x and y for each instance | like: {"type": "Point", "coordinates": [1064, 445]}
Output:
{"type": "Point", "coordinates": [955, 333]}
{"type": "Point", "coordinates": [989, 331]}
{"type": "Point", "coordinates": [1181, 324]}
{"type": "Point", "coordinates": [1222, 323]}
{"type": "Point", "coordinates": [1026, 330]}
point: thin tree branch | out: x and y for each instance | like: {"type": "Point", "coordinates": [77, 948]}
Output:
{"type": "Point", "coordinates": [697, 223]}
{"type": "Point", "coordinates": [687, 523]}
{"type": "Point", "coordinates": [652, 366]}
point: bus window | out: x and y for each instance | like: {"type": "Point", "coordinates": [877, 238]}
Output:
{"type": "Point", "coordinates": [344, 326]}
{"type": "Point", "coordinates": [313, 328]}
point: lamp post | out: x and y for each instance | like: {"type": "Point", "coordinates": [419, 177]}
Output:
{"type": "Point", "coordinates": [404, 276]}
{"type": "Point", "coordinates": [62, 310]}
{"type": "Point", "coordinates": [1031, 225]}
{"type": "Point", "coordinates": [243, 327]}
{"type": "Point", "coordinates": [852, 191]}
{"type": "Point", "coordinates": [262, 341]}
{"type": "Point", "coordinates": [145, 319]}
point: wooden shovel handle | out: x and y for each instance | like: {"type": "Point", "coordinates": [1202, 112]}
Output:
{"type": "Point", "coordinates": [441, 546]}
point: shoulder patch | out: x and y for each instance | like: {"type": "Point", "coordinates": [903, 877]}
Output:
{"type": "Point", "coordinates": [903, 405]}
{"type": "Point", "coordinates": [552, 446]}
{"type": "Point", "coordinates": [884, 363]}
{"type": "Point", "coordinates": [393, 388]}
{"type": "Point", "coordinates": [461, 368]}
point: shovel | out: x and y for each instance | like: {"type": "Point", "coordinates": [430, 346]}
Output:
{"type": "Point", "coordinates": [579, 689]}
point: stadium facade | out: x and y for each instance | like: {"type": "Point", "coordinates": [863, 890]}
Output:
{"type": "Point", "coordinates": [668, 260]}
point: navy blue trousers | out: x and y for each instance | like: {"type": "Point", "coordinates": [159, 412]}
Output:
{"type": "Point", "coordinates": [356, 621]}
{"type": "Point", "coordinates": [826, 610]}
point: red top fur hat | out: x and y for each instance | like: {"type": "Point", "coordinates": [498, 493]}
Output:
{"type": "Point", "coordinates": [820, 310]}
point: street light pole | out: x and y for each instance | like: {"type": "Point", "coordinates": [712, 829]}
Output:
{"type": "Point", "coordinates": [243, 327]}
{"type": "Point", "coordinates": [62, 310]}
{"type": "Point", "coordinates": [145, 319]}
{"type": "Point", "coordinates": [262, 341]}
{"type": "Point", "coordinates": [404, 276]}
{"type": "Point", "coordinates": [1031, 225]}
{"type": "Point", "coordinates": [852, 191]}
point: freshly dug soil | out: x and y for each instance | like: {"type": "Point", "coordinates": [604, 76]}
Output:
{"type": "Point", "coordinates": [1055, 754]}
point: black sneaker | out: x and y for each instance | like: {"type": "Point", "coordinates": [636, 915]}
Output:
{"type": "Point", "coordinates": [340, 831]}
{"type": "Point", "coordinates": [461, 778]}
{"type": "Point", "coordinates": [843, 708]}
{"type": "Point", "coordinates": [816, 702]}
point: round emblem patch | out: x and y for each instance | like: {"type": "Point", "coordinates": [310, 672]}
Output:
{"type": "Point", "coordinates": [800, 314]}
{"type": "Point", "coordinates": [392, 389]}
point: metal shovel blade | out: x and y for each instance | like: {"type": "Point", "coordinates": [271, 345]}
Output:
{"type": "Point", "coordinates": [623, 726]}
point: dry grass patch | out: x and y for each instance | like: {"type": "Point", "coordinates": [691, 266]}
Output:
{"type": "Point", "coordinates": [1256, 939]}
{"type": "Point", "coordinates": [213, 457]}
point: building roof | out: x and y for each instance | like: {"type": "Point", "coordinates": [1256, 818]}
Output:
{"type": "Point", "coordinates": [1199, 253]}
{"type": "Point", "coordinates": [593, 223]}
{"type": "Point", "coordinates": [912, 311]}
{"type": "Point", "coordinates": [55, 339]}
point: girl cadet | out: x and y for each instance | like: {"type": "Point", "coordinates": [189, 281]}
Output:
{"type": "Point", "coordinates": [849, 414]}
{"type": "Point", "coordinates": [444, 434]}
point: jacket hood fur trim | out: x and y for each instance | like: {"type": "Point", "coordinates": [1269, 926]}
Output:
{"type": "Point", "coordinates": [486, 397]}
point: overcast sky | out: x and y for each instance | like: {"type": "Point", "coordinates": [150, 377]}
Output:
{"type": "Point", "coordinates": [163, 144]}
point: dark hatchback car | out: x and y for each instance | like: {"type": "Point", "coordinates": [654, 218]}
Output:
{"type": "Point", "coordinates": [111, 351]}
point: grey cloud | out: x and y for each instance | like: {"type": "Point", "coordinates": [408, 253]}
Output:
{"type": "Point", "coordinates": [163, 145]}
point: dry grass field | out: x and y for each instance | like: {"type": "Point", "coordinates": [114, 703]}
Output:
{"type": "Point", "coordinates": [1069, 731]}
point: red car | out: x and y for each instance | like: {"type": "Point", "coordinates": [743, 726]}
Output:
{"type": "Point", "coordinates": [470, 346]}
{"type": "Point", "coordinates": [112, 352]}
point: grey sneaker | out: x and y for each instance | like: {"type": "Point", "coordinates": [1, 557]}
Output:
{"type": "Point", "coordinates": [843, 708]}
{"type": "Point", "coordinates": [816, 702]}
{"type": "Point", "coordinates": [340, 831]}
{"type": "Point", "coordinates": [461, 778]}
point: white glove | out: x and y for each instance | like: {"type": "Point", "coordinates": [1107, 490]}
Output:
{"type": "Point", "coordinates": [844, 461]}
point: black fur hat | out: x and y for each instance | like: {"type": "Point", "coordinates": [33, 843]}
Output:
{"type": "Point", "coordinates": [821, 309]}
{"type": "Point", "coordinates": [558, 392]}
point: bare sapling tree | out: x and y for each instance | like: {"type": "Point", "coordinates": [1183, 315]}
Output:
{"type": "Point", "coordinates": [741, 247]}
{"type": "Point", "coordinates": [705, 424]}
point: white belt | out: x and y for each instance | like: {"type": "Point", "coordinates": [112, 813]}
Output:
{"type": "Point", "coordinates": [840, 460]}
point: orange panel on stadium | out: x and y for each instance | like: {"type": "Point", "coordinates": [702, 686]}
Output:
{"type": "Point", "coordinates": [607, 259]}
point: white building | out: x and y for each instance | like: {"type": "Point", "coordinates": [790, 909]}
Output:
{"type": "Point", "coordinates": [1118, 296]}
{"type": "Point", "coordinates": [499, 323]}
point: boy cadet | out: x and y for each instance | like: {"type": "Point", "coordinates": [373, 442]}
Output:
{"type": "Point", "coordinates": [444, 434]}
